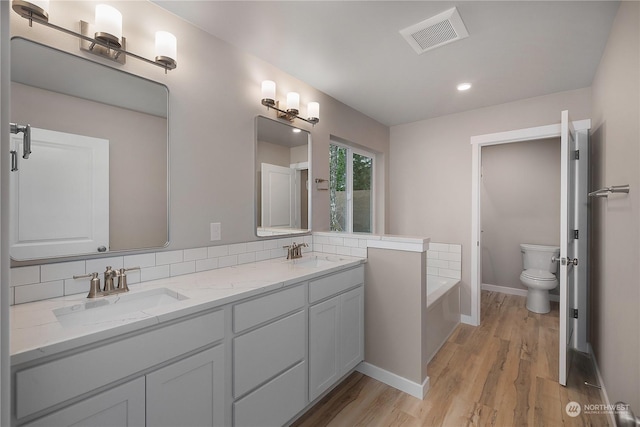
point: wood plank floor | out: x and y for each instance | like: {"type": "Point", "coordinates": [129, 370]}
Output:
{"type": "Point", "coordinates": [502, 373]}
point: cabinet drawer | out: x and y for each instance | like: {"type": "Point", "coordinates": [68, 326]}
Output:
{"type": "Point", "coordinates": [334, 284]}
{"type": "Point", "coordinates": [274, 403]}
{"type": "Point", "coordinates": [45, 385]}
{"type": "Point", "coordinates": [260, 310]}
{"type": "Point", "coordinates": [265, 352]}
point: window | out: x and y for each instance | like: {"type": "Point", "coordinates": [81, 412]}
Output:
{"type": "Point", "coordinates": [350, 189]}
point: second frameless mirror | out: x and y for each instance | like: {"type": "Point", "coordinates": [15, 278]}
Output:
{"type": "Point", "coordinates": [282, 167]}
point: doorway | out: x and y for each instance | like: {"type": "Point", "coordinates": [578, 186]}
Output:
{"type": "Point", "coordinates": [574, 136]}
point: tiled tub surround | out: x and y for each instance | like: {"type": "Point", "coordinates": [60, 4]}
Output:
{"type": "Point", "coordinates": [444, 260]}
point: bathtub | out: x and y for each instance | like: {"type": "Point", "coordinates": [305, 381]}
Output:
{"type": "Point", "coordinates": [443, 312]}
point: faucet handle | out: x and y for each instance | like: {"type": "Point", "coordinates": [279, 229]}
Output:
{"type": "Point", "coordinates": [94, 289]}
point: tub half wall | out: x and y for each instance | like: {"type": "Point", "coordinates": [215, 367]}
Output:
{"type": "Point", "coordinates": [443, 312]}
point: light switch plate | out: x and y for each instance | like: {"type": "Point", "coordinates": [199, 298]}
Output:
{"type": "Point", "coordinates": [216, 231]}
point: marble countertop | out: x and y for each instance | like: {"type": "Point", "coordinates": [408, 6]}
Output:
{"type": "Point", "coordinates": [37, 332]}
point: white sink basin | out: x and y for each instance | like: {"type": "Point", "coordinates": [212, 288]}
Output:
{"type": "Point", "coordinates": [316, 262]}
{"type": "Point", "coordinates": [103, 309]}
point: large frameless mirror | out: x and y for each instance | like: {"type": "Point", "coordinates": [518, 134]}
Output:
{"type": "Point", "coordinates": [97, 177]}
{"type": "Point", "coordinates": [283, 202]}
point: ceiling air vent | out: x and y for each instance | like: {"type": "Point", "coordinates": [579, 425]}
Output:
{"type": "Point", "coordinates": [436, 31]}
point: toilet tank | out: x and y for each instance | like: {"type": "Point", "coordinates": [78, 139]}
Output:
{"type": "Point", "coordinates": [539, 257]}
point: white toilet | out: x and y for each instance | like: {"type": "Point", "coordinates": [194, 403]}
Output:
{"type": "Point", "coordinates": [539, 275]}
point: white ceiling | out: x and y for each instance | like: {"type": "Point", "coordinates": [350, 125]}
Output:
{"type": "Point", "coordinates": [353, 51]}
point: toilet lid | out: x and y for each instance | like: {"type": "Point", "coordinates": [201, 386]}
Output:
{"type": "Point", "coordinates": [536, 274]}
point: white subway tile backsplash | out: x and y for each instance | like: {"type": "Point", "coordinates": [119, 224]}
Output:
{"type": "Point", "coordinates": [455, 265]}
{"type": "Point", "coordinates": [76, 286]}
{"type": "Point", "coordinates": [270, 244]}
{"type": "Point", "coordinates": [321, 240]}
{"type": "Point", "coordinates": [351, 243]}
{"type": "Point", "coordinates": [99, 265]}
{"type": "Point", "coordinates": [263, 255]}
{"type": "Point", "coordinates": [25, 275]}
{"type": "Point", "coordinates": [140, 260]}
{"type": "Point", "coordinates": [336, 241]}
{"type": "Point", "coordinates": [255, 246]}
{"type": "Point", "coordinates": [246, 258]}
{"type": "Point", "coordinates": [227, 261]}
{"type": "Point", "coordinates": [449, 273]}
{"type": "Point", "coordinates": [359, 252]}
{"type": "Point", "coordinates": [343, 250]}
{"type": "Point", "coordinates": [433, 271]}
{"type": "Point", "coordinates": [182, 268]}
{"type": "Point", "coordinates": [169, 257]}
{"type": "Point", "coordinates": [329, 249]}
{"type": "Point", "coordinates": [206, 264]}
{"type": "Point", "coordinates": [217, 251]}
{"type": "Point", "coordinates": [432, 254]}
{"type": "Point", "coordinates": [133, 277]}
{"type": "Point", "coordinates": [317, 247]}
{"type": "Point", "coordinates": [455, 248]}
{"type": "Point", "coordinates": [195, 254]}
{"type": "Point", "coordinates": [237, 248]}
{"type": "Point", "coordinates": [153, 273]}
{"type": "Point", "coordinates": [39, 291]}
{"type": "Point", "coordinates": [63, 270]}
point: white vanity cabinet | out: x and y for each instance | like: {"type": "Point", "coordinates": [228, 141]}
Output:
{"type": "Point", "coordinates": [85, 387]}
{"type": "Point", "coordinates": [336, 328]}
{"type": "Point", "coordinates": [269, 358]}
{"type": "Point", "coordinates": [188, 393]}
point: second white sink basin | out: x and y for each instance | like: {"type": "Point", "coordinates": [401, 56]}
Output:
{"type": "Point", "coordinates": [103, 309]}
{"type": "Point", "coordinates": [316, 262]}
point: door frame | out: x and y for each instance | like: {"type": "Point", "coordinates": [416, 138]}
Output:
{"type": "Point", "coordinates": [477, 142]}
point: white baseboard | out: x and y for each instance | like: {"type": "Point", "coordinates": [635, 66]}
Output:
{"type": "Point", "coordinates": [467, 320]}
{"type": "Point", "coordinates": [395, 381]}
{"type": "Point", "coordinates": [514, 291]}
{"type": "Point", "coordinates": [603, 390]}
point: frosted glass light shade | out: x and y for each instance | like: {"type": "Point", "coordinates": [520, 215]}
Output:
{"type": "Point", "coordinates": [108, 23]}
{"type": "Point", "coordinates": [269, 90]}
{"type": "Point", "coordinates": [313, 110]}
{"type": "Point", "coordinates": [166, 45]}
{"type": "Point", "coordinates": [293, 101]}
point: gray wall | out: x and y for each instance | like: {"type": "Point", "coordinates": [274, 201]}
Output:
{"type": "Point", "coordinates": [430, 168]}
{"type": "Point", "coordinates": [214, 97]}
{"type": "Point", "coordinates": [520, 194]}
{"type": "Point", "coordinates": [615, 237]}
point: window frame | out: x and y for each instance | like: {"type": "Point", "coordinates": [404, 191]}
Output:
{"type": "Point", "coordinates": [351, 150]}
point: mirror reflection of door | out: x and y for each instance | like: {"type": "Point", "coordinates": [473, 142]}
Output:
{"type": "Point", "coordinates": [60, 196]}
{"type": "Point", "coordinates": [278, 196]}
{"type": "Point", "coordinates": [282, 178]}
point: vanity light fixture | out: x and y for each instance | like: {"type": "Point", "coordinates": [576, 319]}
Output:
{"type": "Point", "coordinates": [104, 37]}
{"type": "Point", "coordinates": [293, 104]}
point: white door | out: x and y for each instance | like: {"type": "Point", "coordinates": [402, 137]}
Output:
{"type": "Point", "coordinates": [69, 174]}
{"type": "Point", "coordinates": [567, 242]}
{"type": "Point", "coordinates": [278, 200]}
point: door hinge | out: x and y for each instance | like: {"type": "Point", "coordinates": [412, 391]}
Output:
{"type": "Point", "coordinates": [575, 313]}
{"type": "Point", "coordinates": [576, 155]}
{"type": "Point", "coordinates": [575, 234]}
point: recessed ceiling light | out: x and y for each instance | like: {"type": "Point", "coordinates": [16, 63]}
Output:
{"type": "Point", "coordinates": [297, 130]}
{"type": "Point", "coordinates": [464, 86]}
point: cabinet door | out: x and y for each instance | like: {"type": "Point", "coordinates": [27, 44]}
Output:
{"type": "Point", "coordinates": [351, 329]}
{"type": "Point", "coordinates": [324, 368]}
{"type": "Point", "coordinates": [119, 406]}
{"type": "Point", "coordinates": [189, 392]}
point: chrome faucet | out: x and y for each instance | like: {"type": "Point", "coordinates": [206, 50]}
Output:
{"type": "Point", "coordinates": [294, 251]}
{"type": "Point", "coordinates": [109, 288]}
